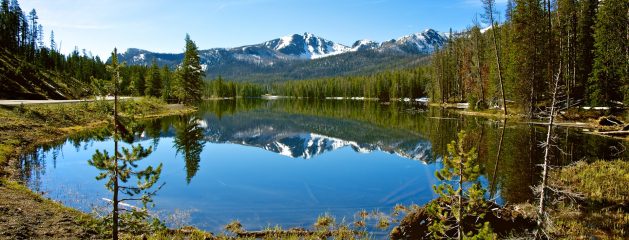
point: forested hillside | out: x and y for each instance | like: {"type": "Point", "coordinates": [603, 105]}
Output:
{"type": "Point", "coordinates": [23, 80]}
{"type": "Point", "coordinates": [406, 83]}
{"type": "Point", "coordinates": [410, 83]}
{"type": "Point", "coordinates": [31, 69]}
{"type": "Point", "coordinates": [348, 64]}
{"type": "Point", "coordinates": [583, 43]}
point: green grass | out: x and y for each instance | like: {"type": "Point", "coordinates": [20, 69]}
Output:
{"type": "Point", "coordinates": [600, 181]}
{"type": "Point", "coordinates": [26, 126]}
{"type": "Point", "coordinates": [602, 211]}
{"type": "Point", "coordinates": [5, 150]}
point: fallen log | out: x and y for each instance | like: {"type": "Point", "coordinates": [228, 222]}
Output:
{"type": "Point", "coordinates": [615, 133]}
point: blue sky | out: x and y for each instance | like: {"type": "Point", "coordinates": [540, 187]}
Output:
{"type": "Point", "coordinates": [160, 25]}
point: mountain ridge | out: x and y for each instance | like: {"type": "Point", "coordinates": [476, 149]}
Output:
{"type": "Point", "coordinates": [283, 57]}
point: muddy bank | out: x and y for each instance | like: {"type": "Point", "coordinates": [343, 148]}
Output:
{"type": "Point", "coordinates": [503, 221]}
{"type": "Point", "coordinates": [27, 215]}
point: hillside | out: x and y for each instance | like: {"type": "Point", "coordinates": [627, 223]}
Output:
{"type": "Point", "coordinates": [20, 79]}
{"type": "Point", "coordinates": [348, 64]}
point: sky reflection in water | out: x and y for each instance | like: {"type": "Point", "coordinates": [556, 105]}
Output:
{"type": "Point", "coordinates": [268, 165]}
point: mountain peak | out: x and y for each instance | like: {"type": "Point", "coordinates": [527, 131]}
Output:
{"type": "Point", "coordinates": [422, 42]}
{"type": "Point", "coordinates": [306, 46]}
{"type": "Point", "coordinates": [364, 44]}
{"type": "Point", "coordinates": [287, 56]}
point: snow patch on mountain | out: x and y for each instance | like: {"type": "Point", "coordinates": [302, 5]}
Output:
{"type": "Point", "coordinates": [284, 42]}
{"type": "Point", "coordinates": [295, 47]}
{"type": "Point", "coordinates": [424, 41]}
{"type": "Point", "coordinates": [306, 46]}
{"type": "Point", "coordinates": [364, 44]}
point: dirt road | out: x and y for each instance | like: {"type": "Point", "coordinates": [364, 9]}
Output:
{"type": "Point", "coordinates": [25, 102]}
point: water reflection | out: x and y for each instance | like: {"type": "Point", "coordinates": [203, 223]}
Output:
{"type": "Point", "coordinates": [189, 141]}
{"type": "Point", "coordinates": [287, 161]}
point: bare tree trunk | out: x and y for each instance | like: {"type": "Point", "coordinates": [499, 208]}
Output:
{"type": "Point", "coordinates": [459, 79]}
{"type": "Point", "coordinates": [502, 135]}
{"type": "Point", "coordinates": [532, 96]}
{"type": "Point", "coordinates": [460, 195]}
{"type": "Point", "coordinates": [497, 51]}
{"type": "Point", "coordinates": [542, 199]}
{"type": "Point", "coordinates": [551, 121]}
{"type": "Point", "coordinates": [115, 198]}
{"type": "Point", "coordinates": [569, 61]}
{"type": "Point", "coordinates": [441, 79]}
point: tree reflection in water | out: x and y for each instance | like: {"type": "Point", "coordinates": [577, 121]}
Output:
{"type": "Point", "coordinates": [189, 141]}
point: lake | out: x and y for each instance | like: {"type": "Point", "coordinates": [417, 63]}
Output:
{"type": "Point", "coordinates": [286, 162]}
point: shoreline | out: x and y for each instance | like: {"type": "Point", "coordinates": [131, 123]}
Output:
{"type": "Point", "coordinates": [25, 213]}
{"type": "Point", "coordinates": [588, 125]}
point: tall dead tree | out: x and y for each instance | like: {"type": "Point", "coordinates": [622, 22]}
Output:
{"type": "Point", "coordinates": [547, 145]}
{"type": "Point", "coordinates": [490, 6]}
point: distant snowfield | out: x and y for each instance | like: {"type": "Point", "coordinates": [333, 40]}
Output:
{"type": "Point", "coordinates": [314, 47]}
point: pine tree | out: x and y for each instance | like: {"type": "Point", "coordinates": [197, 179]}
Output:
{"type": "Point", "coordinates": [509, 10]}
{"type": "Point", "coordinates": [5, 30]}
{"type": "Point", "coordinates": [153, 81]}
{"type": "Point", "coordinates": [490, 8]}
{"type": "Point", "coordinates": [528, 46]}
{"type": "Point", "coordinates": [53, 44]}
{"type": "Point", "coordinates": [120, 168]}
{"type": "Point", "coordinates": [40, 37]}
{"type": "Point", "coordinates": [32, 38]}
{"type": "Point", "coordinates": [189, 75]}
{"type": "Point", "coordinates": [137, 83]}
{"type": "Point", "coordinates": [585, 45]}
{"type": "Point", "coordinates": [567, 28]}
{"type": "Point", "coordinates": [478, 62]}
{"type": "Point", "coordinates": [609, 80]}
{"type": "Point", "coordinates": [166, 77]}
{"type": "Point", "coordinates": [15, 23]}
{"type": "Point", "coordinates": [218, 87]}
{"type": "Point", "coordinates": [461, 167]}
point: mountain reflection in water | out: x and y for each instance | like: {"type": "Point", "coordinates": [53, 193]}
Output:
{"type": "Point", "coordinates": [288, 161]}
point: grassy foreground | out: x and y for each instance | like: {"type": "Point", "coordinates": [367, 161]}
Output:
{"type": "Point", "coordinates": [27, 215]}
{"type": "Point", "coordinates": [597, 202]}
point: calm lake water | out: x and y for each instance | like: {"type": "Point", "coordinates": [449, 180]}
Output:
{"type": "Point", "coordinates": [285, 162]}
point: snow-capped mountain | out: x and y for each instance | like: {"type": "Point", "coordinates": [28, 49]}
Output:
{"type": "Point", "coordinates": [365, 44]}
{"type": "Point", "coordinates": [307, 46]}
{"type": "Point", "coordinates": [306, 145]}
{"type": "Point", "coordinates": [309, 145]}
{"type": "Point", "coordinates": [419, 43]}
{"type": "Point", "coordinates": [294, 53]}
